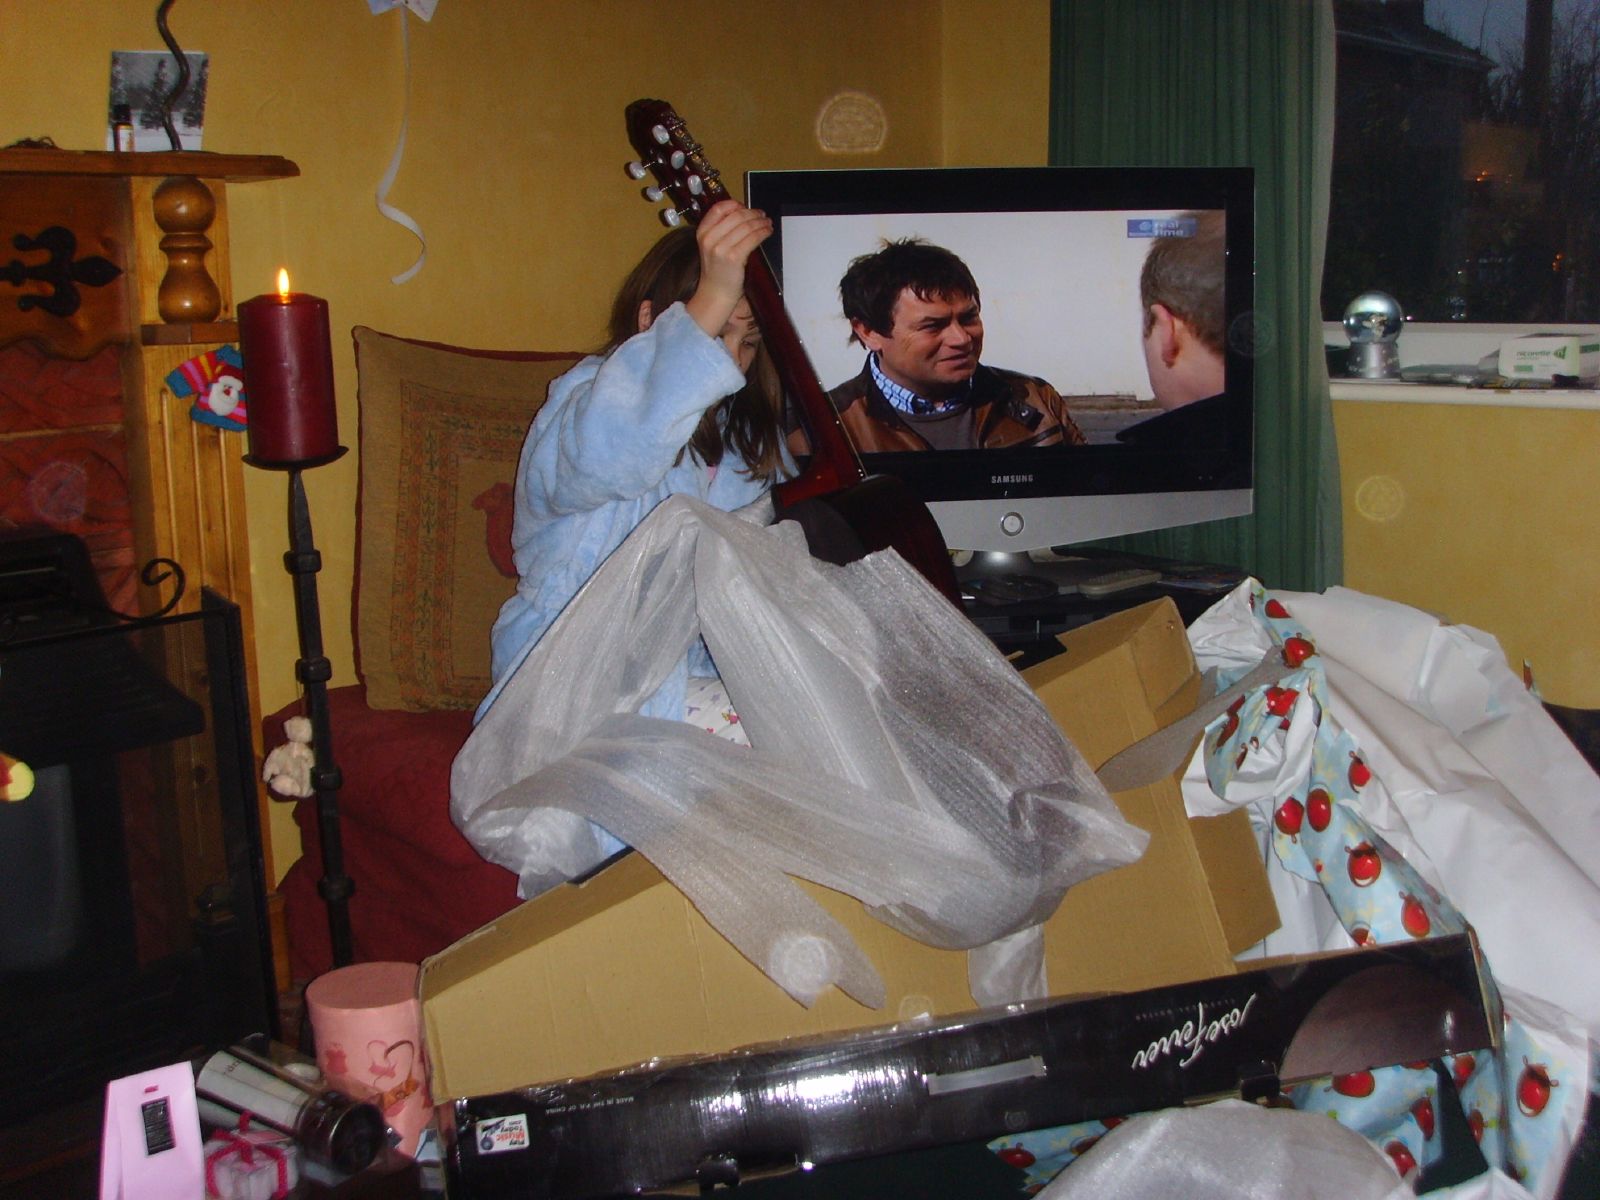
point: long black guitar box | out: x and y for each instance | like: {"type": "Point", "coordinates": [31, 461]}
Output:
{"type": "Point", "coordinates": [787, 1105]}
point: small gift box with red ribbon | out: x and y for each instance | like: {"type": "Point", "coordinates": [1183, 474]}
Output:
{"type": "Point", "coordinates": [250, 1164]}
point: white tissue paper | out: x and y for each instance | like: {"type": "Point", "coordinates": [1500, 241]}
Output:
{"type": "Point", "coordinates": [1478, 789]}
{"type": "Point", "coordinates": [895, 756]}
{"type": "Point", "coordinates": [1230, 1150]}
{"type": "Point", "coordinates": [1466, 778]}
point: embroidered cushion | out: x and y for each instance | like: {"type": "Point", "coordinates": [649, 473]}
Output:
{"type": "Point", "coordinates": [441, 429]}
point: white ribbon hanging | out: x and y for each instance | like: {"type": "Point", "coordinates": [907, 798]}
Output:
{"type": "Point", "coordinates": [424, 9]}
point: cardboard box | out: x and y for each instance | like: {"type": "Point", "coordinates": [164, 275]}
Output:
{"type": "Point", "coordinates": [1544, 356]}
{"type": "Point", "coordinates": [620, 969]}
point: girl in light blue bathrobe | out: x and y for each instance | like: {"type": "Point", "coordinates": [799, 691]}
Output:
{"type": "Point", "coordinates": [683, 402]}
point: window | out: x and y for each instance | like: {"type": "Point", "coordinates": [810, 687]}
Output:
{"type": "Point", "coordinates": [1466, 161]}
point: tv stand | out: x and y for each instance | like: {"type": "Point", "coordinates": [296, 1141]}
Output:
{"type": "Point", "coordinates": [1009, 596]}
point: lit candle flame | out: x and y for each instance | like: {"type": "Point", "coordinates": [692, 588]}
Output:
{"type": "Point", "coordinates": [283, 283]}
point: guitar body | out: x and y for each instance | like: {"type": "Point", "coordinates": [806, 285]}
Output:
{"type": "Point", "coordinates": [845, 513]}
{"type": "Point", "coordinates": [879, 513]}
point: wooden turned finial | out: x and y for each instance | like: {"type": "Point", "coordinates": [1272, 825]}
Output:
{"type": "Point", "coordinates": [184, 209]}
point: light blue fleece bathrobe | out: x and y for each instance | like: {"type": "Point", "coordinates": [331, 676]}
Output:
{"type": "Point", "coordinates": [598, 458]}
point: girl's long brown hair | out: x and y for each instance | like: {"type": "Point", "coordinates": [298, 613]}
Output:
{"type": "Point", "coordinates": [747, 422]}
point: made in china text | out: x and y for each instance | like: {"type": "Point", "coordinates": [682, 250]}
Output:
{"type": "Point", "coordinates": [1190, 1038]}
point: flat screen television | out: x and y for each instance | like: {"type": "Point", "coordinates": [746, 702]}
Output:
{"type": "Point", "coordinates": [1056, 253]}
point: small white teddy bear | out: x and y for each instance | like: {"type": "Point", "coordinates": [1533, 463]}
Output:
{"type": "Point", "coordinates": [287, 769]}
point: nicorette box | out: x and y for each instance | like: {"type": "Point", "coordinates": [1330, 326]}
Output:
{"type": "Point", "coordinates": [1548, 357]}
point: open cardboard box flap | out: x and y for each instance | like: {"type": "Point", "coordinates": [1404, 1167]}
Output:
{"type": "Point", "coordinates": [622, 968]}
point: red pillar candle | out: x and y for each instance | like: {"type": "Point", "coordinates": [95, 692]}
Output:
{"type": "Point", "coordinates": [288, 376]}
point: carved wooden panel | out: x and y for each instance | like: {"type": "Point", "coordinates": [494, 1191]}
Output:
{"type": "Point", "coordinates": [64, 265]}
{"type": "Point", "coordinates": [39, 392]}
{"type": "Point", "coordinates": [64, 457]}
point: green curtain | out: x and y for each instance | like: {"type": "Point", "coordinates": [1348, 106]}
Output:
{"type": "Point", "coordinates": [1231, 83]}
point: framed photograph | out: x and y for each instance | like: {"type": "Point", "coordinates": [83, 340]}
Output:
{"type": "Point", "coordinates": [144, 81]}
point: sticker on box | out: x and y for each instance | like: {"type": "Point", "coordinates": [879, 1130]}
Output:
{"type": "Point", "coordinates": [502, 1134]}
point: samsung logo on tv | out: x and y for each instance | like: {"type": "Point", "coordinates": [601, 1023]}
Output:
{"type": "Point", "coordinates": [1010, 479]}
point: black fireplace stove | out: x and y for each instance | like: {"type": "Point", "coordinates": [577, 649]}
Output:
{"type": "Point", "coordinates": [132, 924]}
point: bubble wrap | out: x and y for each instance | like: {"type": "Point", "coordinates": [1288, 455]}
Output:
{"type": "Point", "coordinates": [895, 756]}
{"type": "Point", "coordinates": [1230, 1150]}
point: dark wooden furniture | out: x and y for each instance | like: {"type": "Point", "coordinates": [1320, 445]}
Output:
{"type": "Point", "coordinates": [114, 271]}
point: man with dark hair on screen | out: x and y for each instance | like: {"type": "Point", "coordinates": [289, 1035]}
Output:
{"type": "Point", "coordinates": [1181, 294]}
{"type": "Point", "coordinates": [915, 308]}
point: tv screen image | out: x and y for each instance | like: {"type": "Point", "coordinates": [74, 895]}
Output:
{"type": "Point", "coordinates": [1057, 254]}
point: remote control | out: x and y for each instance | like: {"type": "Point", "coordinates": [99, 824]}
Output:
{"type": "Point", "coordinates": [1010, 589]}
{"type": "Point", "coordinates": [1118, 581]}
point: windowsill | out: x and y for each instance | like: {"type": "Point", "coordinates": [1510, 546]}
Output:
{"type": "Point", "coordinates": [1391, 391]}
{"type": "Point", "coordinates": [1427, 342]}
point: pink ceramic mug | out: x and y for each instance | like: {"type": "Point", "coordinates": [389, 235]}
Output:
{"type": "Point", "coordinates": [367, 1023]}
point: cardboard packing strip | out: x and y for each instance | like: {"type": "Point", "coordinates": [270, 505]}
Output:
{"type": "Point", "coordinates": [593, 977]}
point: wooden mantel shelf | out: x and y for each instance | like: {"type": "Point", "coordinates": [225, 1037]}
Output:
{"type": "Point", "coordinates": [238, 168]}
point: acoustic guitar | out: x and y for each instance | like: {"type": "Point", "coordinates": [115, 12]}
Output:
{"type": "Point", "coordinates": [879, 510]}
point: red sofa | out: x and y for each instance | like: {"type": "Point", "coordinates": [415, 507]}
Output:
{"type": "Point", "coordinates": [441, 430]}
{"type": "Point", "coordinates": [418, 885]}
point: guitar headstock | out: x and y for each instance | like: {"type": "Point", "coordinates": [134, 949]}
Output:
{"type": "Point", "coordinates": [667, 151]}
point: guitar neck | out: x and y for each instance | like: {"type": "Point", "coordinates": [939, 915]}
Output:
{"type": "Point", "coordinates": [880, 512]}
{"type": "Point", "coordinates": [834, 464]}
{"type": "Point", "coordinates": [683, 172]}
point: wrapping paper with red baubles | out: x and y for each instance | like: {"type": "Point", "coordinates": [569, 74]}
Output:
{"type": "Point", "coordinates": [1405, 783]}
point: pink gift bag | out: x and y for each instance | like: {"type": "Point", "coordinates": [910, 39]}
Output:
{"type": "Point", "coordinates": [367, 1023]}
{"type": "Point", "coordinates": [150, 1143]}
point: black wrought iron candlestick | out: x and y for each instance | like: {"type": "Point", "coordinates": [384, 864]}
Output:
{"type": "Point", "coordinates": [313, 670]}
{"type": "Point", "coordinates": [293, 426]}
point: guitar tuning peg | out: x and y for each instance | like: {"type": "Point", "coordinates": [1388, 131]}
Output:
{"type": "Point", "coordinates": [677, 160]}
{"type": "Point", "coordinates": [695, 184]}
{"type": "Point", "coordinates": [671, 218]}
{"type": "Point", "coordinates": [636, 169]}
{"type": "Point", "coordinates": [659, 132]}
{"type": "Point", "coordinates": [654, 194]}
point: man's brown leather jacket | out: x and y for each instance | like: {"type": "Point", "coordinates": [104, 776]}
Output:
{"type": "Point", "coordinates": [1009, 409]}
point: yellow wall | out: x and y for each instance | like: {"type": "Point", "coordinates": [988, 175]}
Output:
{"type": "Point", "coordinates": [1487, 517]}
{"type": "Point", "coordinates": [513, 169]}
{"type": "Point", "coordinates": [996, 97]}
{"type": "Point", "coordinates": [512, 165]}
